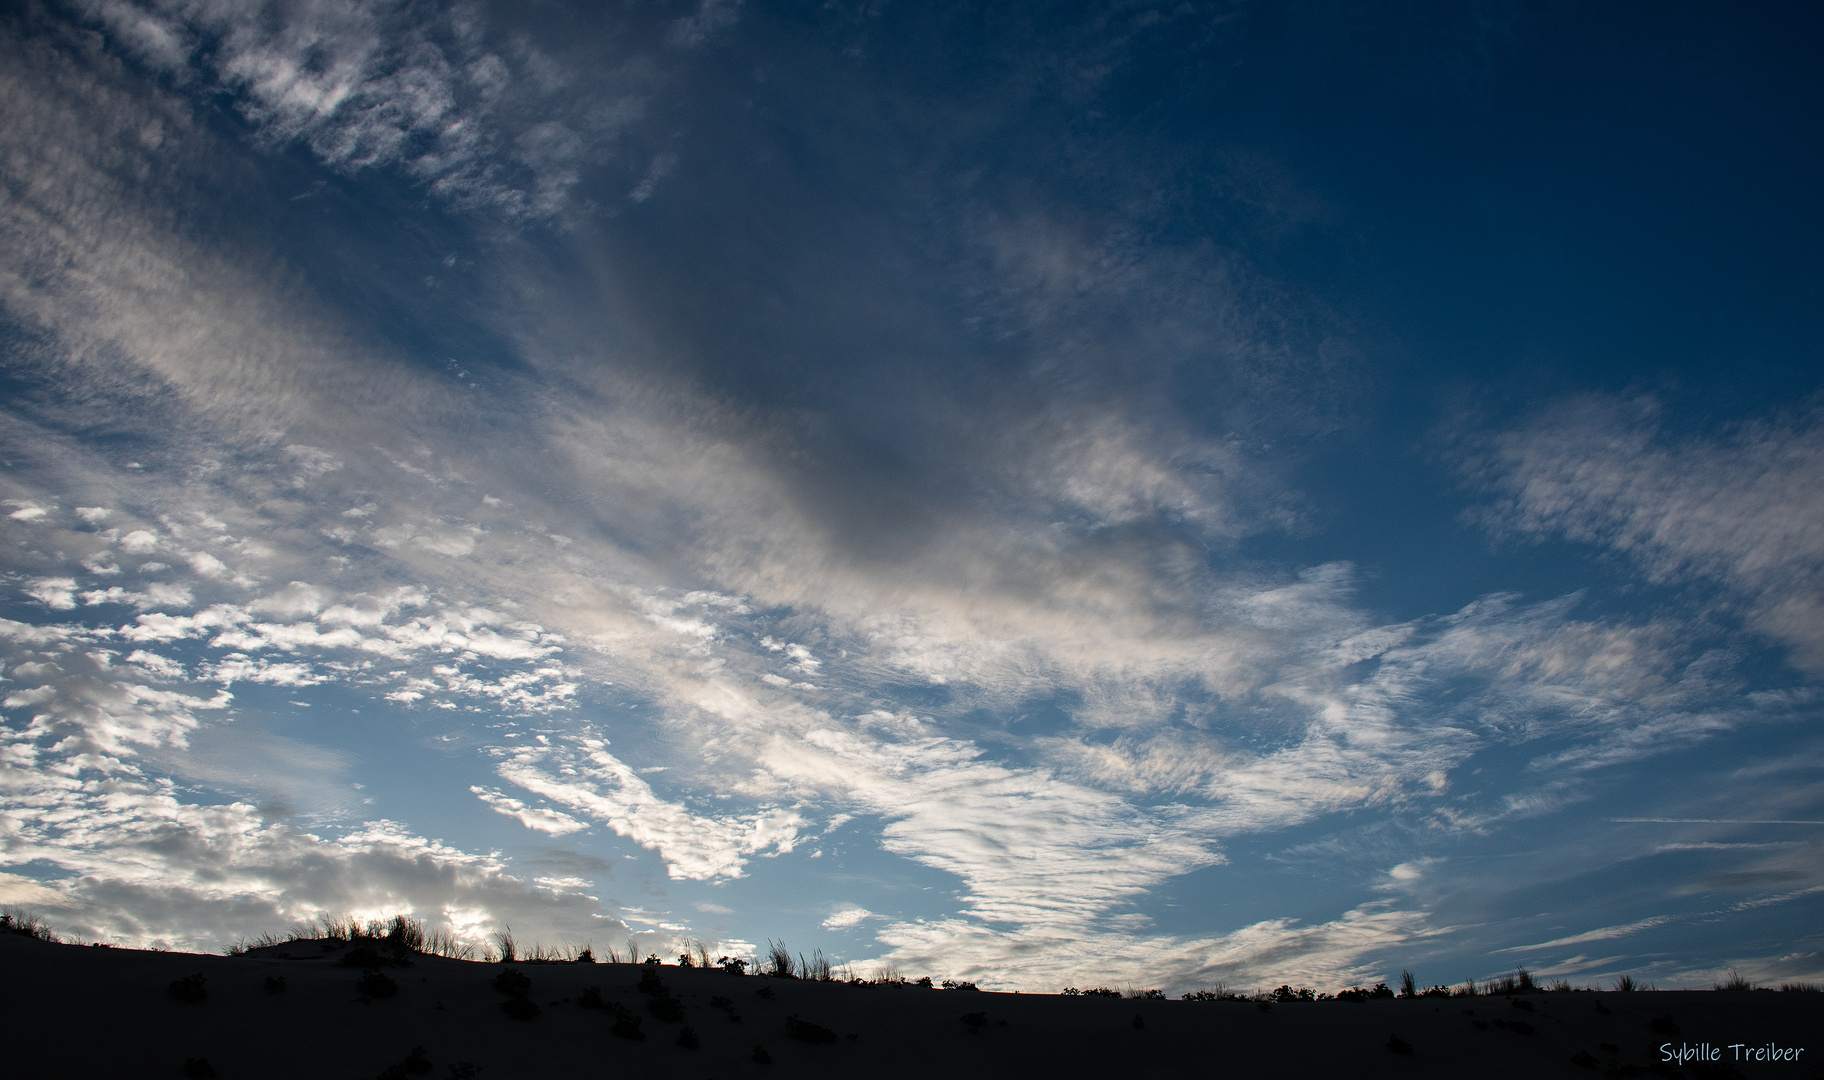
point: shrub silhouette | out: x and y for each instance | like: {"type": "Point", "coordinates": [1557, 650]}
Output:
{"type": "Point", "coordinates": [376, 984]}
{"type": "Point", "coordinates": [415, 1063]}
{"type": "Point", "coordinates": [626, 1024]}
{"type": "Point", "coordinates": [1665, 1025]}
{"type": "Point", "coordinates": [1100, 991]}
{"type": "Point", "coordinates": [1146, 995]}
{"type": "Point", "coordinates": [25, 924]}
{"type": "Point", "coordinates": [1408, 985]}
{"type": "Point", "coordinates": [665, 1008]}
{"type": "Point", "coordinates": [684, 960]}
{"type": "Point", "coordinates": [199, 1068]}
{"type": "Point", "coordinates": [189, 988]}
{"type": "Point", "coordinates": [366, 956]}
{"type": "Point", "coordinates": [462, 1070]}
{"type": "Point", "coordinates": [512, 983]}
{"type": "Point", "coordinates": [519, 1008]}
{"type": "Point", "coordinates": [760, 1056]}
{"type": "Point", "coordinates": [1734, 982]}
{"type": "Point", "coordinates": [587, 956]}
{"type": "Point", "coordinates": [1399, 1046]}
{"type": "Point", "coordinates": [734, 965]}
{"type": "Point", "coordinates": [1286, 994]}
{"type": "Point", "coordinates": [1223, 993]}
{"type": "Point", "coordinates": [1436, 992]}
{"type": "Point", "coordinates": [1518, 1027]}
{"type": "Point", "coordinates": [1139, 1022]}
{"type": "Point", "coordinates": [275, 984]}
{"type": "Point", "coordinates": [975, 1021]}
{"type": "Point", "coordinates": [592, 998]}
{"type": "Point", "coordinates": [952, 984]}
{"type": "Point", "coordinates": [805, 1031]}
{"type": "Point", "coordinates": [1626, 984]}
{"type": "Point", "coordinates": [687, 1037]}
{"type": "Point", "coordinates": [765, 992]}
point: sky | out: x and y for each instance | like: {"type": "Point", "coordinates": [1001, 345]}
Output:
{"type": "Point", "coordinates": [1128, 494]}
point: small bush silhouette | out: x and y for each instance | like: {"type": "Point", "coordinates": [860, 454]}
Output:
{"type": "Point", "coordinates": [366, 956]}
{"type": "Point", "coordinates": [275, 984]}
{"type": "Point", "coordinates": [1734, 982]}
{"type": "Point", "coordinates": [519, 1008]}
{"type": "Point", "coordinates": [687, 1037]}
{"type": "Point", "coordinates": [651, 982]}
{"type": "Point", "coordinates": [1223, 993]}
{"type": "Point", "coordinates": [414, 1064]}
{"type": "Point", "coordinates": [665, 1008]}
{"type": "Point", "coordinates": [1139, 1022]}
{"type": "Point", "coordinates": [1799, 987]}
{"type": "Point", "coordinates": [805, 1031]}
{"type": "Point", "coordinates": [1399, 1046]}
{"type": "Point", "coordinates": [376, 984]}
{"type": "Point", "coordinates": [779, 960]}
{"type": "Point", "coordinates": [1665, 1025]}
{"type": "Point", "coordinates": [587, 956]}
{"type": "Point", "coordinates": [1521, 1003]}
{"type": "Point", "coordinates": [1626, 984]}
{"type": "Point", "coordinates": [760, 1056]}
{"type": "Point", "coordinates": [19, 921]}
{"type": "Point", "coordinates": [512, 983]}
{"type": "Point", "coordinates": [1285, 995]}
{"type": "Point", "coordinates": [685, 960]}
{"type": "Point", "coordinates": [1408, 985]}
{"type": "Point", "coordinates": [1584, 1059]}
{"type": "Point", "coordinates": [974, 1021]}
{"type": "Point", "coordinates": [188, 988]}
{"type": "Point", "coordinates": [1601, 1009]}
{"type": "Point", "coordinates": [734, 965]}
{"type": "Point", "coordinates": [462, 1070]}
{"type": "Point", "coordinates": [1100, 991]}
{"type": "Point", "coordinates": [765, 992]}
{"type": "Point", "coordinates": [1518, 1027]}
{"type": "Point", "coordinates": [626, 1024]}
{"type": "Point", "coordinates": [1146, 995]}
{"type": "Point", "coordinates": [952, 984]}
{"type": "Point", "coordinates": [1436, 992]}
{"type": "Point", "coordinates": [592, 998]}
{"type": "Point", "coordinates": [198, 1067]}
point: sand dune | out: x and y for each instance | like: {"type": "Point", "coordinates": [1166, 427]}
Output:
{"type": "Point", "coordinates": [83, 1011]}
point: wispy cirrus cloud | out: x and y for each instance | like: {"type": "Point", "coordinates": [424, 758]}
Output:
{"type": "Point", "coordinates": [485, 123]}
{"type": "Point", "coordinates": [1743, 508]}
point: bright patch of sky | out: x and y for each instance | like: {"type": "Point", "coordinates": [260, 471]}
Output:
{"type": "Point", "coordinates": [1148, 495]}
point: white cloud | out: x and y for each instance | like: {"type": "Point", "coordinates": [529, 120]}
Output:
{"type": "Point", "coordinates": [390, 84]}
{"type": "Point", "coordinates": [542, 819]}
{"type": "Point", "coordinates": [1744, 508]}
{"type": "Point", "coordinates": [846, 918]}
{"type": "Point", "coordinates": [58, 594]}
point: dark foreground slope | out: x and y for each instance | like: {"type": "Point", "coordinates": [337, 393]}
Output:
{"type": "Point", "coordinates": [76, 1011]}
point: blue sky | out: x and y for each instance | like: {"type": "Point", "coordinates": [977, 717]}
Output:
{"type": "Point", "coordinates": [1147, 495]}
